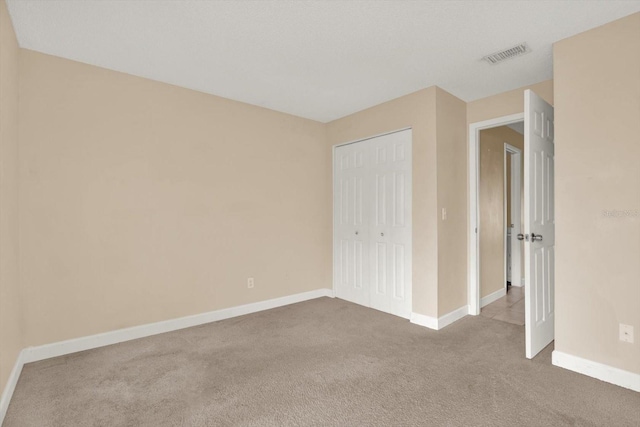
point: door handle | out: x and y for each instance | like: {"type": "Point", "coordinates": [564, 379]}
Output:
{"type": "Point", "coordinates": [524, 237]}
{"type": "Point", "coordinates": [536, 237]}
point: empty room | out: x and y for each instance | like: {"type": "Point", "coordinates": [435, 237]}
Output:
{"type": "Point", "coordinates": [319, 213]}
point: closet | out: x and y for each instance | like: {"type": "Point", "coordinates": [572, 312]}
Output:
{"type": "Point", "coordinates": [372, 222]}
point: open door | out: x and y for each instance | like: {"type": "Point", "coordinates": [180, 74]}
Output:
{"type": "Point", "coordinates": [539, 223]}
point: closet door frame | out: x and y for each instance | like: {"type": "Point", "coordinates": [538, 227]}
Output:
{"type": "Point", "coordinates": [333, 212]}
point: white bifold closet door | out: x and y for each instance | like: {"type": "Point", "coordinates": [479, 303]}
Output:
{"type": "Point", "coordinates": [372, 223]}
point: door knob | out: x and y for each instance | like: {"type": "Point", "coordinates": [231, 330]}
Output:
{"type": "Point", "coordinates": [520, 236]}
{"type": "Point", "coordinates": [536, 237]}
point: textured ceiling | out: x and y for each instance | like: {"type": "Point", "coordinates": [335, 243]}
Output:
{"type": "Point", "coordinates": [316, 59]}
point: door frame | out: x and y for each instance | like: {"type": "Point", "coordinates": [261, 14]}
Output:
{"type": "Point", "coordinates": [333, 205]}
{"type": "Point", "coordinates": [516, 195]}
{"type": "Point", "coordinates": [473, 252]}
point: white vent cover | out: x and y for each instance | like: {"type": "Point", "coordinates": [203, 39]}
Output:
{"type": "Point", "coordinates": [510, 53]}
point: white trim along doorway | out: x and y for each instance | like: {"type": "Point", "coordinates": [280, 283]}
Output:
{"type": "Point", "coordinates": [513, 266]}
{"type": "Point", "coordinates": [474, 214]}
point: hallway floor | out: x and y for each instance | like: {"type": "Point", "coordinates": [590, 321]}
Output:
{"type": "Point", "coordinates": [509, 308]}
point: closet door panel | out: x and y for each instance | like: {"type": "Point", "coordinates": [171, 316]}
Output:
{"type": "Point", "coordinates": [351, 223]}
{"type": "Point", "coordinates": [372, 223]}
{"type": "Point", "coordinates": [391, 229]}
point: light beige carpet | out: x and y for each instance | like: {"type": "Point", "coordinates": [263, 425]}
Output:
{"type": "Point", "coordinates": [324, 363]}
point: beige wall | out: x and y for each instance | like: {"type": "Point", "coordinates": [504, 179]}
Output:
{"type": "Point", "coordinates": [451, 134]}
{"type": "Point", "coordinates": [491, 205]}
{"type": "Point", "coordinates": [506, 103]}
{"type": "Point", "coordinates": [142, 201]}
{"type": "Point", "coordinates": [597, 94]}
{"type": "Point", "coordinates": [10, 300]}
{"type": "Point", "coordinates": [418, 111]}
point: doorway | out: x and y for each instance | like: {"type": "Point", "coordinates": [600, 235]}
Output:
{"type": "Point", "coordinates": [494, 192]}
{"type": "Point", "coordinates": [513, 182]}
{"type": "Point", "coordinates": [500, 221]}
{"type": "Point", "coordinates": [538, 219]}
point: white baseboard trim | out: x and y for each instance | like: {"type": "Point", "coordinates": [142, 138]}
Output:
{"type": "Point", "coordinates": [10, 386]}
{"type": "Point", "coordinates": [424, 320]}
{"type": "Point", "coordinates": [440, 322]}
{"type": "Point", "coordinates": [597, 370]}
{"type": "Point", "coordinates": [493, 297]}
{"type": "Point", "coordinates": [33, 354]}
{"type": "Point", "coordinates": [453, 316]}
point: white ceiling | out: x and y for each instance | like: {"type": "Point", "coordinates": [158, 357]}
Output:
{"type": "Point", "coordinates": [316, 59]}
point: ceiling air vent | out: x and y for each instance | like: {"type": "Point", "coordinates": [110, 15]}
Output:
{"type": "Point", "coordinates": [510, 53]}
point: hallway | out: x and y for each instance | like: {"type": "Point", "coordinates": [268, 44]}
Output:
{"type": "Point", "coordinates": [509, 308]}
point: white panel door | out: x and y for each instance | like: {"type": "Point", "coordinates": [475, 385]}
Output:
{"type": "Point", "coordinates": [351, 223]}
{"type": "Point", "coordinates": [372, 223]}
{"type": "Point", "coordinates": [391, 224]}
{"type": "Point", "coordinates": [539, 219]}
